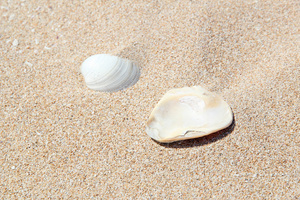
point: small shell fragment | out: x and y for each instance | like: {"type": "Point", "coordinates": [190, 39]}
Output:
{"type": "Point", "coordinates": [109, 73]}
{"type": "Point", "coordinates": [15, 43]}
{"type": "Point", "coordinates": [28, 64]}
{"type": "Point", "coordinates": [187, 113]}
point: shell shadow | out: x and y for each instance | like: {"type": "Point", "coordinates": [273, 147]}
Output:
{"type": "Point", "coordinates": [135, 52]}
{"type": "Point", "coordinates": [202, 140]}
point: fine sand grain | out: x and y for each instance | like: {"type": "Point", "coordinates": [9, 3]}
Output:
{"type": "Point", "coordinates": [59, 139]}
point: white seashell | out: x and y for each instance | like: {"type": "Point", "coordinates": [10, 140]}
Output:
{"type": "Point", "coordinates": [187, 113]}
{"type": "Point", "coordinates": [109, 73]}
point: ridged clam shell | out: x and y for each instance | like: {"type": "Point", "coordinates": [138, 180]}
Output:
{"type": "Point", "coordinates": [109, 73]}
{"type": "Point", "coordinates": [187, 113]}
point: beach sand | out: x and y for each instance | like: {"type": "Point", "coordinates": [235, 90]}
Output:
{"type": "Point", "coordinates": [60, 139]}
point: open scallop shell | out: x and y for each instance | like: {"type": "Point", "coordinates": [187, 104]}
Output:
{"type": "Point", "coordinates": [109, 73]}
{"type": "Point", "coordinates": [187, 113]}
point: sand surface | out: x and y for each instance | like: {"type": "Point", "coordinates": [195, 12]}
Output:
{"type": "Point", "coordinates": [59, 139]}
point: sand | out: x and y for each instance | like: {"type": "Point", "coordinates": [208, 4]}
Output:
{"type": "Point", "coordinates": [60, 139]}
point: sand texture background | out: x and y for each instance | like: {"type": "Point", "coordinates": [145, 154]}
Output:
{"type": "Point", "coordinates": [59, 139]}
